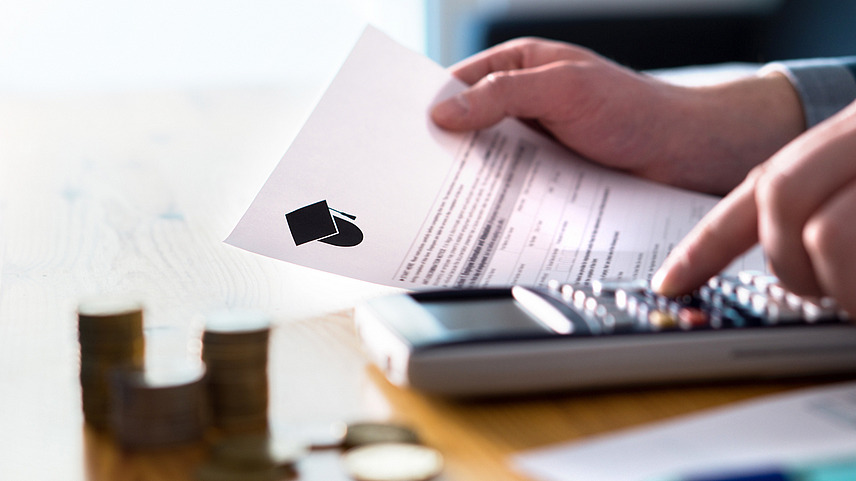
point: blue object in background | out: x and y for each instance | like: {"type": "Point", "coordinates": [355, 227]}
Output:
{"type": "Point", "coordinates": [830, 470]}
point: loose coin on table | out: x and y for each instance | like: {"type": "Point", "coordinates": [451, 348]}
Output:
{"type": "Point", "coordinates": [257, 451]}
{"type": "Point", "coordinates": [393, 462]}
{"type": "Point", "coordinates": [362, 433]}
{"type": "Point", "coordinates": [251, 458]}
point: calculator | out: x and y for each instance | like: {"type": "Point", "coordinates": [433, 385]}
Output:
{"type": "Point", "coordinates": [518, 339]}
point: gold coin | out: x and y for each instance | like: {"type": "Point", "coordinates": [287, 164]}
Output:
{"type": "Point", "coordinates": [217, 472]}
{"type": "Point", "coordinates": [393, 462]}
{"type": "Point", "coordinates": [359, 434]}
{"type": "Point", "coordinates": [257, 451]}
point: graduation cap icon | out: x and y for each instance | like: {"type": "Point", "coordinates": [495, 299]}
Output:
{"type": "Point", "coordinates": [317, 222]}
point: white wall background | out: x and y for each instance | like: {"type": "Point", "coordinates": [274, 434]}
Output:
{"type": "Point", "coordinates": [84, 45]}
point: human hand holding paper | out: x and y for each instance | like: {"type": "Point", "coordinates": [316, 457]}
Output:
{"type": "Point", "coordinates": [504, 205]}
{"type": "Point", "coordinates": [701, 138]}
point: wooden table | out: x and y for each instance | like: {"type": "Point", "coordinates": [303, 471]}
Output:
{"type": "Point", "coordinates": [133, 193]}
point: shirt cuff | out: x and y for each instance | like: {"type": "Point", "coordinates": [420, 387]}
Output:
{"type": "Point", "coordinates": [824, 85]}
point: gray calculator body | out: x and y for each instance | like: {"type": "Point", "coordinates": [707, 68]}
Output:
{"type": "Point", "coordinates": [482, 342]}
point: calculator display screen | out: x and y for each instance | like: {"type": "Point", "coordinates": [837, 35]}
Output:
{"type": "Point", "coordinates": [483, 317]}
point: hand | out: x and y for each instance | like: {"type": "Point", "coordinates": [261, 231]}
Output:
{"type": "Point", "coordinates": [800, 205]}
{"type": "Point", "coordinates": [705, 139]}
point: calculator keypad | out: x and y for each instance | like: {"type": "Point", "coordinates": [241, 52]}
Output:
{"type": "Point", "coordinates": [750, 299]}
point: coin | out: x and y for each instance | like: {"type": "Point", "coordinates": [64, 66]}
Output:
{"type": "Point", "coordinates": [218, 472]}
{"type": "Point", "coordinates": [257, 451]}
{"type": "Point", "coordinates": [362, 433]}
{"type": "Point", "coordinates": [110, 334]}
{"type": "Point", "coordinates": [393, 462]}
{"type": "Point", "coordinates": [159, 406]}
{"type": "Point", "coordinates": [235, 350]}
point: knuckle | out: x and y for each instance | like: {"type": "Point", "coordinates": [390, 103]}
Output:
{"type": "Point", "coordinates": [822, 236]}
{"type": "Point", "coordinates": [526, 42]}
{"type": "Point", "coordinates": [774, 194]}
{"type": "Point", "coordinates": [496, 83]}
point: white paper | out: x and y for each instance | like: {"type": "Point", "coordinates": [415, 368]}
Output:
{"type": "Point", "coordinates": [427, 208]}
{"type": "Point", "coordinates": [805, 426]}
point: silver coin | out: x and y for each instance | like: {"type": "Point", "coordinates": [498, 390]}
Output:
{"type": "Point", "coordinates": [393, 462]}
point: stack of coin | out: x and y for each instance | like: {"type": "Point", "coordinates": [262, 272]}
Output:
{"type": "Point", "coordinates": [159, 406]}
{"type": "Point", "coordinates": [235, 350]}
{"type": "Point", "coordinates": [110, 331]}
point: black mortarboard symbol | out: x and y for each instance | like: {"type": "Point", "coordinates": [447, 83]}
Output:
{"type": "Point", "coordinates": [317, 222]}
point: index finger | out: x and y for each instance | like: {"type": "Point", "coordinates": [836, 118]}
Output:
{"type": "Point", "coordinates": [502, 57]}
{"type": "Point", "coordinates": [726, 232]}
{"type": "Point", "coordinates": [516, 54]}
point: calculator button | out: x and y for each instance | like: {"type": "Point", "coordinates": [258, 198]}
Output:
{"type": "Point", "coordinates": [728, 285]}
{"type": "Point", "coordinates": [744, 295]}
{"type": "Point", "coordinates": [632, 305]}
{"type": "Point", "coordinates": [815, 309]}
{"type": "Point", "coordinates": [758, 304]}
{"type": "Point", "coordinates": [641, 313]}
{"type": "Point", "coordinates": [579, 299]}
{"type": "Point", "coordinates": [608, 322]}
{"type": "Point", "coordinates": [777, 292]}
{"type": "Point", "coordinates": [624, 298]}
{"type": "Point", "coordinates": [602, 287]}
{"type": "Point", "coordinates": [763, 283]}
{"type": "Point", "coordinates": [794, 301]}
{"type": "Point", "coordinates": [705, 294]}
{"type": "Point", "coordinates": [661, 319]}
{"type": "Point", "coordinates": [717, 300]}
{"type": "Point", "coordinates": [747, 277]}
{"type": "Point", "coordinates": [621, 299]}
{"type": "Point", "coordinates": [590, 305]}
{"type": "Point", "coordinates": [693, 318]}
{"type": "Point", "coordinates": [713, 283]}
{"type": "Point", "coordinates": [779, 312]}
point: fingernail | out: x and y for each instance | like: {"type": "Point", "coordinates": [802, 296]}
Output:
{"type": "Point", "coordinates": [451, 109]}
{"type": "Point", "coordinates": [667, 279]}
{"type": "Point", "coordinates": [658, 280]}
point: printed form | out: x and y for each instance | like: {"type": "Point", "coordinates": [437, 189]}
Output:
{"type": "Point", "coordinates": [371, 189]}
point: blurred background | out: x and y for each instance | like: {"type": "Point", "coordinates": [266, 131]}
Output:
{"type": "Point", "coordinates": [85, 45]}
{"type": "Point", "coordinates": [647, 34]}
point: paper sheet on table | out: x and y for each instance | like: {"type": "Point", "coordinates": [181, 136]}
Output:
{"type": "Point", "coordinates": [806, 426]}
{"type": "Point", "coordinates": [372, 189]}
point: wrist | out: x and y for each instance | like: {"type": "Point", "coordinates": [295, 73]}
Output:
{"type": "Point", "coordinates": [734, 126]}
